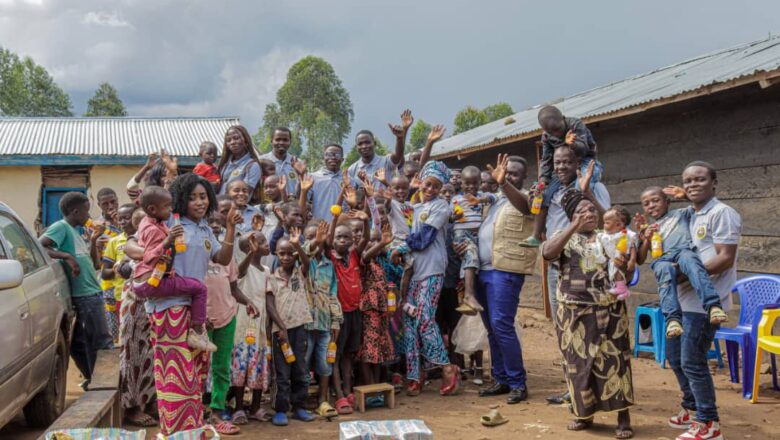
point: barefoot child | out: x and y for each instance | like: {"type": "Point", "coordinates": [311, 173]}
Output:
{"type": "Point", "coordinates": [287, 305]}
{"type": "Point", "coordinates": [466, 230]}
{"type": "Point", "coordinates": [616, 221]}
{"type": "Point", "coordinates": [326, 312]}
{"type": "Point", "coordinates": [157, 240]}
{"type": "Point", "coordinates": [206, 168]}
{"type": "Point", "coordinates": [678, 255]}
{"type": "Point", "coordinates": [250, 367]}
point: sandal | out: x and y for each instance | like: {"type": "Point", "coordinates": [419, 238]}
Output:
{"type": "Point", "coordinates": [140, 418]}
{"type": "Point", "coordinates": [227, 428]}
{"type": "Point", "coordinates": [493, 418]}
{"type": "Point", "coordinates": [239, 418]}
{"type": "Point", "coordinates": [413, 388]}
{"type": "Point", "coordinates": [717, 315]}
{"type": "Point", "coordinates": [453, 385]}
{"type": "Point", "coordinates": [623, 433]}
{"type": "Point", "coordinates": [466, 309]}
{"type": "Point", "coordinates": [260, 415]}
{"type": "Point", "coordinates": [343, 407]}
{"type": "Point", "coordinates": [327, 411]}
{"type": "Point", "coordinates": [351, 399]}
{"type": "Point", "coordinates": [580, 425]}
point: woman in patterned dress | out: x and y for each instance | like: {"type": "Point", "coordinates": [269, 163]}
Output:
{"type": "Point", "coordinates": [591, 323]}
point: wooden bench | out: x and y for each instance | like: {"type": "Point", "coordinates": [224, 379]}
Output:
{"type": "Point", "coordinates": [384, 389]}
{"type": "Point", "coordinates": [100, 406]}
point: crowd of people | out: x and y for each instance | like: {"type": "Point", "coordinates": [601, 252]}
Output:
{"type": "Point", "coordinates": [253, 274]}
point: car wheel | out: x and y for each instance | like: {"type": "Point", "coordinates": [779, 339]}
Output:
{"type": "Point", "coordinates": [49, 403]}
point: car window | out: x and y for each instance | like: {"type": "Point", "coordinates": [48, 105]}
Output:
{"type": "Point", "coordinates": [21, 246]}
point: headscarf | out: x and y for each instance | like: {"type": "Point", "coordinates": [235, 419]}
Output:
{"type": "Point", "coordinates": [570, 200]}
{"type": "Point", "coordinates": [437, 170]}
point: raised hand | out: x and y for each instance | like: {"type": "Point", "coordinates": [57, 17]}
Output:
{"type": "Point", "coordinates": [258, 221]}
{"type": "Point", "coordinates": [381, 176]}
{"type": "Point", "coordinates": [360, 215]}
{"type": "Point", "coordinates": [584, 181]}
{"type": "Point", "coordinates": [299, 166]}
{"type": "Point", "coordinates": [254, 246]}
{"type": "Point", "coordinates": [282, 183]}
{"type": "Point", "coordinates": [387, 234]}
{"type": "Point", "coordinates": [234, 217]}
{"type": "Point", "coordinates": [151, 160]}
{"type": "Point", "coordinates": [406, 119]}
{"type": "Point", "coordinates": [675, 192]}
{"type": "Point", "coordinates": [436, 133]}
{"type": "Point", "coordinates": [471, 200]}
{"type": "Point", "coordinates": [279, 214]}
{"type": "Point", "coordinates": [171, 163]}
{"type": "Point", "coordinates": [351, 196]}
{"type": "Point", "coordinates": [322, 232]}
{"type": "Point", "coordinates": [570, 138]}
{"type": "Point", "coordinates": [306, 182]}
{"type": "Point", "coordinates": [367, 185]}
{"type": "Point", "coordinates": [345, 180]}
{"type": "Point", "coordinates": [295, 235]}
{"type": "Point", "coordinates": [499, 172]}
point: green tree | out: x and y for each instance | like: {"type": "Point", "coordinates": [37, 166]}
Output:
{"type": "Point", "coordinates": [418, 135]}
{"type": "Point", "coordinates": [314, 105]}
{"type": "Point", "coordinates": [353, 155]}
{"type": "Point", "coordinates": [105, 102]}
{"type": "Point", "coordinates": [468, 118]}
{"type": "Point", "coordinates": [498, 111]}
{"type": "Point", "coordinates": [27, 89]}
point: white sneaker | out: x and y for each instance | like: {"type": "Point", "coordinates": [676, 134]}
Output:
{"type": "Point", "coordinates": [703, 431]}
{"type": "Point", "coordinates": [682, 420]}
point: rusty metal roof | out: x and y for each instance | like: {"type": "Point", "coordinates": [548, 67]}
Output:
{"type": "Point", "coordinates": [121, 136]}
{"type": "Point", "coordinates": [746, 63]}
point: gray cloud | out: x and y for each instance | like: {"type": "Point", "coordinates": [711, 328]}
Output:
{"type": "Point", "coordinates": [178, 57]}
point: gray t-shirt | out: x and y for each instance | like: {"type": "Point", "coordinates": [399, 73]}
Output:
{"type": "Point", "coordinates": [433, 259]}
{"type": "Point", "coordinates": [716, 223]}
{"type": "Point", "coordinates": [556, 216]}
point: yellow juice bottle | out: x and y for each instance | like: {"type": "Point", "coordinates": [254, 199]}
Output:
{"type": "Point", "coordinates": [289, 356]}
{"type": "Point", "coordinates": [332, 352]}
{"type": "Point", "coordinates": [180, 245]}
{"type": "Point", "coordinates": [392, 304]}
{"type": "Point", "coordinates": [656, 243]}
{"type": "Point", "coordinates": [536, 204]}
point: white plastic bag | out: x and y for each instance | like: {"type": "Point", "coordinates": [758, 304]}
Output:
{"type": "Point", "coordinates": [470, 335]}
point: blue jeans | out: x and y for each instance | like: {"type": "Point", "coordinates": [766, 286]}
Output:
{"type": "Point", "coordinates": [555, 182]}
{"type": "Point", "coordinates": [498, 293]}
{"type": "Point", "coordinates": [687, 356]}
{"type": "Point", "coordinates": [317, 352]}
{"type": "Point", "coordinates": [689, 263]}
{"type": "Point", "coordinates": [91, 332]}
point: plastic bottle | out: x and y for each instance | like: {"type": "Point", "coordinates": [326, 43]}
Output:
{"type": "Point", "coordinates": [622, 243]}
{"type": "Point", "coordinates": [88, 223]}
{"type": "Point", "coordinates": [249, 336]}
{"type": "Point", "coordinates": [289, 356]}
{"type": "Point", "coordinates": [391, 298]}
{"type": "Point", "coordinates": [656, 243]}
{"type": "Point", "coordinates": [180, 245]}
{"type": "Point", "coordinates": [536, 204]}
{"type": "Point", "coordinates": [331, 352]}
{"type": "Point", "coordinates": [335, 210]}
{"type": "Point", "coordinates": [157, 273]}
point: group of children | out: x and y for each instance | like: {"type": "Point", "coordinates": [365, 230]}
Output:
{"type": "Point", "coordinates": [276, 292]}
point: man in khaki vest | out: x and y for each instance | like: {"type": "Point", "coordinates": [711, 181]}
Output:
{"type": "Point", "coordinates": [503, 267]}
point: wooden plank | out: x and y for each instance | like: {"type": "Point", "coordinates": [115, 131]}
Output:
{"type": "Point", "coordinates": [739, 183]}
{"type": "Point", "coordinates": [93, 408]}
{"type": "Point", "coordinates": [760, 217]}
{"type": "Point", "coordinates": [759, 255]}
{"type": "Point", "coordinates": [106, 373]}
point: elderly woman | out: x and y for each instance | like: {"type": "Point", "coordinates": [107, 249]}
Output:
{"type": "Point", "coordinates": [592, 325]}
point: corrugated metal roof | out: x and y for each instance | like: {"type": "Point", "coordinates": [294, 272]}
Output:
{"type": "Point", "coordinates": [126, 136]}
{"type": "Point", "coordinates": [700, 73]}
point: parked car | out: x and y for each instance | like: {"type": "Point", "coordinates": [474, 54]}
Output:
{"type": "Point", "coordinates": [36, 319]}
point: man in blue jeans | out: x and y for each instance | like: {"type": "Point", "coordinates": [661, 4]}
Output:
{"type": "Point", "coordinates": [715, 231]}
{"type": "Point", "coordinates": [64, 242]}
{"type": "Point", "coordinates": [503, 267]}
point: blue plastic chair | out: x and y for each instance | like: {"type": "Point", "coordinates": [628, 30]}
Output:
{"type": "Point", "coordinates": [652, 311]}
{"type": "Point", "coordinates": [755, 293]}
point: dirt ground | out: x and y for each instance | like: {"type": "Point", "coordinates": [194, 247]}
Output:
{"type": "Point", "coordinates": [458, 417]}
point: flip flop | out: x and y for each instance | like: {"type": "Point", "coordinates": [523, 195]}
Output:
{"type": "Point", "coordinates": [142, 419]}
{"type": "Point", "coordinates": [227, 428]}
{"type": "Point", "coordinates": [466, 309]}
{"type": "Point", "coordinates": [327, 411]}
{"type": "Point", "coordinates": [260, 415]}
{"type": "Point", "coordinates": [343, 407]}
{"type": "Point", "coordinates": [493, 418]}
{"type": "Point", "coordinates": [239, 418]}
{"type": "Point", "coordinates": [624, 433]}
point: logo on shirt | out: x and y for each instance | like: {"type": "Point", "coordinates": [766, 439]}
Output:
{"type": "Point", "coordinates": [207, 245]}
{"type": "Point", "coordinates": [701, 232]}
{"type": "Point", "coordinates": [291, 175]}
{"type": "Point", "coordinates": [236, 173]}
{"type": "Point", "coordinates": [424, 216]}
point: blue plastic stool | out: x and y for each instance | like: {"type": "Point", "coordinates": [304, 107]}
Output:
{"type": "Point", "coordinates": [652, 311]}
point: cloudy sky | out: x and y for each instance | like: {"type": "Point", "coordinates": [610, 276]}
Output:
{"type": "Point", "coordinates": [228, 57]}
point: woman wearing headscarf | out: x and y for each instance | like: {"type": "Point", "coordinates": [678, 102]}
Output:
{"type": "Point", "coordinates": [422, 339]}
{"type": "Point", "coordinates": [592, 324]}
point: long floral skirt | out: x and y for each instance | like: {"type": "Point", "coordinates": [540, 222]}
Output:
{"type": "Point", "coordinates": [422, 338]}
{"type": "Point", "coordinates": [179, 373]}
{"type": "Point", "coordinates": [136, 358]}
{"type": "Point", "coordinates": [596, 349]}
